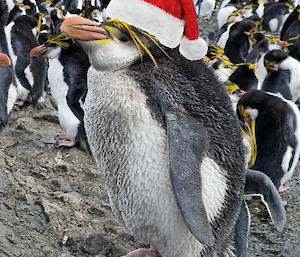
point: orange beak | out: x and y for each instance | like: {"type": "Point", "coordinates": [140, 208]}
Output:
{"type": "Point", "coordinates": [4, 60]}
{"type": "Point", "coordinates": [38, 51]}
{"type": "Point", "coordinates": [83, 29]}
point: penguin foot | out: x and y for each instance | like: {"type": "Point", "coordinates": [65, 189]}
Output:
{"type": "Point", "coordinates": [283, 189]}
{"type": "Point", "coordinates": [143, 253]}
{"type": "Point", "coordinates": [19, 102]}
{"type": "Point", "coordinates": [67, 143]}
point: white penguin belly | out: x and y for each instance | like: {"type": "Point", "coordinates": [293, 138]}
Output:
{"type": "Point", "coordinates": [59, 89]}
{"type": "Point", "coordinates": [131, 149]}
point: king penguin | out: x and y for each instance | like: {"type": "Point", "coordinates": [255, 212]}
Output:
{"type": "Point", "coordinates": [161, 129]}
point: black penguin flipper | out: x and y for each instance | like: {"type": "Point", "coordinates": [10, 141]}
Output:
{"type": "Point", "coordinates": [21, 64]}
{"type": "Point", "coordinates": [187, 147]}
{"type": "Point", "coordinates": [241, 231]}
{"type": "Point", "coordinates": [257, 183]}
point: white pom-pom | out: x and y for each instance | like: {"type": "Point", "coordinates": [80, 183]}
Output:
{"type": "Point", "coordinates": [193, 49]}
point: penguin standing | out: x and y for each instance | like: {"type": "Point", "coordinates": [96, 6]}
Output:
{"type": "Point", "coordinates": [134, 108]}
{"type": "Point", "coordinates": [8, 89]}
{"type": "Point", "coordinates": [244, 76]}
{"type": "Point", "coordinates": [67, 75]}
{"type": "Point", "coordinates": [275, 16]}
{"type": "Point", "coordinates": [277, 60]}
{"type": "Point", "coordinates": [31, 73]}
{"type": "Point", "coordinates": [160, 133]}
{"type": "Point", "coordinates": [238, 44]}
{"type": "Point", "coordinates": [277, 130]}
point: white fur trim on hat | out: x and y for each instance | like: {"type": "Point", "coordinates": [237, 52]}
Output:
{"type": "Point", "coordinates": [164, 26]}
{"type": "Point", "coordinates": [193, 49]}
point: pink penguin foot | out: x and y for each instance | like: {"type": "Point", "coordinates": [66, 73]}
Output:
{"type": "Point", "coordinates": [283, 189]}
{"type": "Point", "coordinates": [19, 102]}
{"type": "Point", "coordinates": [67, 143]}
{"type": "Point", "coordinates": [143, 253]}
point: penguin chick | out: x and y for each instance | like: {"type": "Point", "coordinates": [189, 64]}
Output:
{"type": "Point", "coordinates": [67, 75]}
{"type": "Point", "coordinates": [277, 60]}
{"type": "Point", "coordinates": [277, 132]}
{"type": "Point", "coordinates": [162, 135]}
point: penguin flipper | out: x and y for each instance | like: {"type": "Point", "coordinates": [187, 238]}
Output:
{"type": "Point", "coordinates": [187, 147]}
{"type": "Point", "coordinates": [241, 231]}
{"type": "Point", "coordinates": [259, 183]}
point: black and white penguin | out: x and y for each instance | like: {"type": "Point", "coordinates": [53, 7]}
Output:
{"type": "Point", "coordinates": [31, 73]}
{"type": "Point", "coordinates": [277, 131]}
{"type": "Point", "coordinates": [277, 60]}
{"type": "Point", "coordinates": [162, 135]}
{"type": "Point", "coordinates": [290, 19]}
{"type": "Point", "coordinates": [264, 45]}
{"type": "Point", "coordinates": [204, 8]}
{"type": "Point", "coordinates": [8, 89]}
{"type": "Point", "coordinates": [245, 77]}
{"type": "Point", "coordinates": [277, 82]}
{"type": "Point", "coordinates": [275, 16]}
{"type": "Point", "coordinates": [67, 76]}
{"type": "Point", "coordinates": [238, 44]}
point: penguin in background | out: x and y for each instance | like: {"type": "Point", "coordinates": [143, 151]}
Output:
{"type": "Point", "coordinates": [290, 19]}
{"type": "Point", "coordinates": [8, 89]}
{"type": "Point", "coordinates": [277, 81]}
{"type": "Point", "coordinates": [245, 77]}
{"type": "Point", "coordinates": [204, 8]}
{"type": "Point", "coordinates": [30, 73]}
{"type": "Point", "coordinates": [277, 60]}
{"type": "Point", "coordinates": [264, 45]}
{"type": "Point", "coordinates": [67, 76]}
{"type": "Point", "coordinates": [135, 108]}
{"type": "Point", "coordinates": [238, 44]}
{"type": "Point", "coordinates": [275, 16]}
{"type": "Point", "coordinates": [274, 118]}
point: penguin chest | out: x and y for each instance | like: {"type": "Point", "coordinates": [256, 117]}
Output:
{"type": "Point", "coordinates": [59, 89]}
{"type": "Point", "coordinates": [131, 150]}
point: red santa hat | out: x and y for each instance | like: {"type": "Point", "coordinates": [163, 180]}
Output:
{"type": "Point", "coordinates": [167, 20]}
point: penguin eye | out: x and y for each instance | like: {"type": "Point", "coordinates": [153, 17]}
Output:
{"type": "Point", "coordinates": [123, 39]}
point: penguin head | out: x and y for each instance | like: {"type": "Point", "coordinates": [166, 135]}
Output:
{"type": "Point", "coordinates": [273, 59]}
{"type": "Point", "coordinates": [111, 45]}
{"type": "Point", "coordinates": [52, 47]}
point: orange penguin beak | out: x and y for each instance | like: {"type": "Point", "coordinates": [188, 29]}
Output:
{"type": "Point", "coordinates": [4, 60]}
{"type": "Point", "coordinates": [38, 51]}
{"type": "Point", "coordinates": [84, 29]}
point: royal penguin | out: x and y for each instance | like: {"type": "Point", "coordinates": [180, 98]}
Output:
{"type": "Point", "coordinates": [30, 73]}
{"type": "Point", "coordinates": [277, 60]}
{"type": "Point", "coordinates": [204, 8]}
{"type": "Point", "coordinates": [245, 77]}
{"type": "Point", "coordinates": [275, 16]}
{"type": "Point", "coordinates": [277, 82]}
{"type": "Point", "coordinates": [238, 44]}
{"type": "Point", "coordinates": [294, 15]}
{"type": "Point", "coordinates": [155, 108]}
{"type": "Point", "coordinates": [67, 76]}
{"type": "Point", "coordinates": [8, 89]}
{"type": "Point", "coordinates": [160, 128]}
{"type": "Point", "coordinates": [277, 133]}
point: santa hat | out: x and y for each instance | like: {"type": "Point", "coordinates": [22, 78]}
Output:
{"type": "Point", "coordinates": [167, 20]}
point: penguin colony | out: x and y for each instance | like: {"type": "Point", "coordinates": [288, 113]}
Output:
{"type": "Point", "coordinates": [179, 142]}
